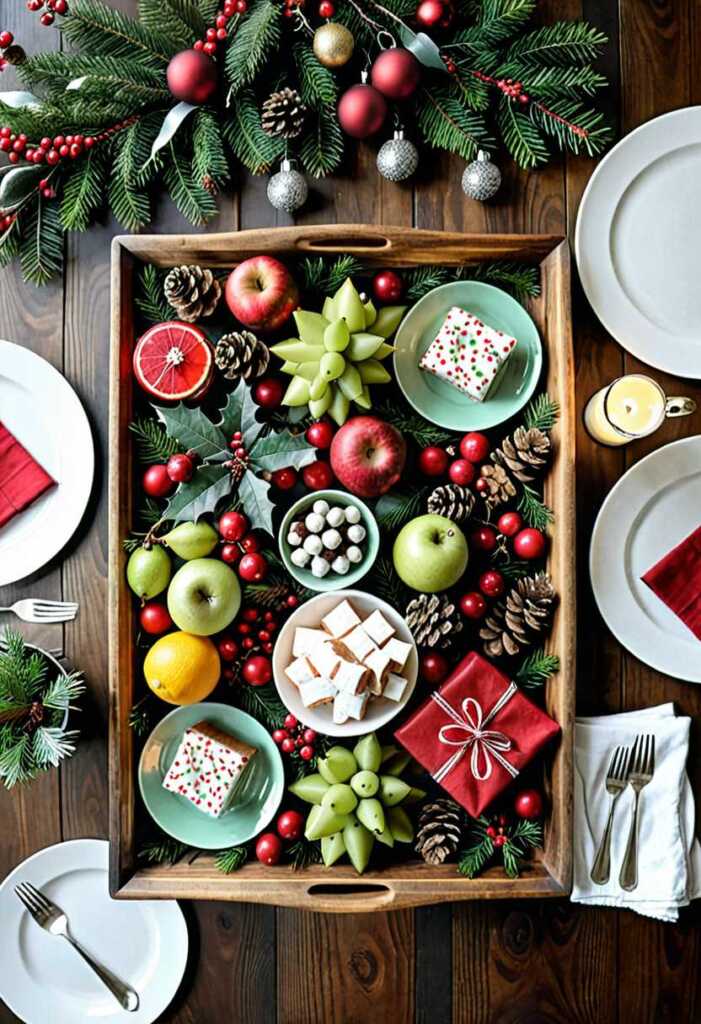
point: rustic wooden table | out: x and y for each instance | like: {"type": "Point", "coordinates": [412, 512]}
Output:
{"type": "Point", "coordinates": [472, 963]}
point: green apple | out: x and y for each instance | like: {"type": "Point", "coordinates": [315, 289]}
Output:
{"type": "Point", "coordinates": [204, 596]}
{"type": "Point", "coordinates": [430, 553]}
{"type": "Point", "coordinates": [148, 572]}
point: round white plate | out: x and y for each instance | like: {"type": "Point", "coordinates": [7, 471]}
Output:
{"type": "Point", "coordinates": [44, 981]}
{"type": "Point", "coordinates": [379, 711]}
{"type": "Point", "coordinates": [638, 240]}
{"type": "Point", "coordinates": [653, 507]}
{"type": "Point", "coordinates": [38, 406]}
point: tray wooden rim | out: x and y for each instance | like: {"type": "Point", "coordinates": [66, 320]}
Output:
{"type": "Point", "coordinates": [339, 889]}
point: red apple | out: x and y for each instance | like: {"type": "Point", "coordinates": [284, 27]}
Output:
{"type": "Point", "coordinates": [261, 293]}
{"type": "Point", "coordinates": [368, 456]}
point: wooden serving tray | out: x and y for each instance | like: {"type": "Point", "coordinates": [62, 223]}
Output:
{"type": "Point", "coordinates": [340, 889]}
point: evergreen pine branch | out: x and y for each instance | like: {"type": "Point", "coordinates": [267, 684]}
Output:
{"type": "Point", "coordinates": [181, 19]}
{"type": "Point", "coordinates": [141, 716]}
{"type": "Point", "coordinates": [419, 281]}
{"type": "Point", "coordinates": [303, 853]}
{"type": "Point", "coordinates": [194, 202]}
{"type": "Point", "coordinates": [574, 127]}
{"type": "Point", "coordinates": [395, 509]}
{"type": "Point", "coordinates": [55, 69]}
{"type": "Point", "coordinates": [386, 584]}
{"type": "Point", "coordinates": [317, 84]}
{"type": "Point", "coordinates": [209, 157]}
{"type": "Point", "coordinates": [534, 510]}
{"type": "Point", "coordinates": [41, 248]}
{"type": "Point", "coordinates": [139, 166]}
{"type": "Point", "coordinates": [521, 136]}
{"type": "Point", "coordinates": [95, 28]}
{"type": "Point", "coordinates": [151, 440]}
{"type": "Point", "coordinates": [513, 569]}
{"type": "Point", "coordinates": [256, 150]}
{"type": "Point", "coordinates": [61, 691]}
{"type": "Point", "coordinates": [231, 860]}
{"type": "Point", "coordinates": [263, 703]}
{"type": "Point", "coordinates": [552, 83]}
{"type": "Point", "coordinates": [473, 859]}
{"type": "Point", "coordinates": [130, 205]}
{"type": "Point", "coordinates": [16, 763]}
{"type": "Point", "coordinates": [536, 668]}
{"type": "Point", "coordinates": [519, 279]}
{"type": "Point", "coordinates": [149, 299]}
{"type": "Point", "coordinates": [324, 277]}
{"type": "Point", "coordinates": [10, 244]}
{"type": "Point", "coordinates": [525, 836]}
{"type": "Point", "coordinates": [50, 745]}
{"type": "Point", "coordinates": [541, 413]}
{"type": "Point", "coordinates": [208, 9]}
{"type": "Point", "coordinates": [164, 850]}
{"type": "Point", "coordinates": [410, 424]}
{"type": "Point", "coordinates": [254, 42]}
{"type": "Point", "coordinates": [562, 44]}
{"type": "Point", "coordinates": [498, 21]}
{"type": "Point", "coordinates": [321, 150]}
{"type": "Point", "coordinates": [83, 192]}
{"type": "Point", "coordinates": [445, 124]}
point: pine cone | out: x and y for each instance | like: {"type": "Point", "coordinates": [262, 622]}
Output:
{"type": "Point", "coordinates": [500, 486]}
{"type": "Point", "coordinates": [519, 620]}
{"type": "Point", "coordinates": [283, 114]}
{"type": "Point", "coordinates": [452, 501]}
{"type": "Point", "coordinates": [440, 826]}
{"type": "Point", "coordinates": [433, 619]}
{"type": "Point", "coordinates": [192, 292]}
{"type": "Point", "coordinates": [241, 355]}
{"type": "Point", "coordinates": [524, 454]}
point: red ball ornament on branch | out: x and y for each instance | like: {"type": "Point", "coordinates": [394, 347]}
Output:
{"type": "Point", "coordinates": [396, 73]}
{"type": "Point", "coordinates": [361, 111]}
{"type": "Point", "coordinates": [192, 76]}
{"type": "Point", "coordinates": [387, 286]}
{"type": "Point", "coordinates": [529, 804]}
{"type": "Point", "coordinates": [430, 13]}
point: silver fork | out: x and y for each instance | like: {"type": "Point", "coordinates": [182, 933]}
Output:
{"type": "Point", "coordinates": [642, 767]}
{"type": "Point", "coordinates": [35, 610]}
{"type": "Point", "coordinates": [53, 920]}
{"type": "Point", "coordinates": [616, 781]}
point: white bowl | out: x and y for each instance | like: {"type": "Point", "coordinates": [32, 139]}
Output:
{"type": "Point", "coordinates": [379, 711]}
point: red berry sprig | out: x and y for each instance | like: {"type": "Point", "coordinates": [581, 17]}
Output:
{"type": "Point", "coordinates": [295, 737]}
{"type": "Point", "coordinates": [52, 151]}
{"type": "Point", "coordinates": [219, 31]}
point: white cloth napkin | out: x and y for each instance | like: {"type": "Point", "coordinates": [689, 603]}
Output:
{"type": "Point", "coordinates": [669, 855]}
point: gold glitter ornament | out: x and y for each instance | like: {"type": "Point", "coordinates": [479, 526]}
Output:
{"type": "Point", "coordinates": [333, 45]}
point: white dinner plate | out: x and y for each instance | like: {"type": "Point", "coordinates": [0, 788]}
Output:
{"type": "Point", "coordinates": [638, 242]}
{"type": "Point", "coordinates": [653, 507]}
{"type": "Point", "coordinates": [379, 711]}
{"type": "Point", "coordinates": [144, 943]}
{"type": "Point", "coordinates": [41, 409]}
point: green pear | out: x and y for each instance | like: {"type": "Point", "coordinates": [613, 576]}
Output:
{"type": "Point", "coordinates": [332, 365]}
{"type": "Point", "coordinates": [192, 540]}
{"type": "Point", "coordinates": [148, 571]}
{"type": "Point", "coordinates": [340, 799]}
{"type": "Point", "coordinates": [415, 795]}
{"type": "Point", "coordinates": [350, 383]}
{"type": "Point", "coordinates": [363, 399]}
{"type": "Point", "coordinates": [402, 829]}
{"type": "Point", "coordinates": [389, 750]}
{"type": "Point", "coordinates": [310, 788]}
{"type": "Point", "coordinates": [328, 310]}
{"type": "Point", "coordinates": [365, 783]}
{"type": "Point", "coordinates": [289, 368]}
{"type": "Point", "coordinates": [386, 837]}
{"type": "Point", "coordinates": [336, 336]}
{"type": "Point", "coordinates": [373, 372]}
{"type": "Point", "coordinates": [368, 753]}
{"type": "Point", "coordinates": [343, 763]}
{"type": "Point", "coordinates": [324, 822]}
{"type": "Point", "coordinates": [338, 410]}
{"type": "Point", "coordinates": [307, 370]}
{"type": "Point", "coordinates": [317, 388]}
{"type": "Point", "coordinates": [392, 790]}
{"type": "Point", "coordinates": [319, 406]}
{"type": "Point", "coordinates": [384, 350]}
{"type": "Point", "coordinates": [311, 326]}
{"type": "Point", "coordinates": [348, 305]}
{"type": "Point", "coordinates": [363, 346]}
{"type": "Point", "coordinates": [388, 320]}
{"type": "Point", "coordinates": [396, 764]}
{"type": "Point", "coordinates": [332, 848]}
{"type": "Point", "coordinates": [298, 351]}
{"type": "Point", "coordinates": [297, 392]}
{"type": "Point", "coordinates": [370, 313]}
{"type": "Point", "coordinates": [324, 769]}
{"type": "Point", "coordinates": [371, 814]}
{"type": "Point", "coordinates": [359, 843]}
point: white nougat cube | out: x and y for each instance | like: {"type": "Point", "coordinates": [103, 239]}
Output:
{"type": "Point", "coordinates": [306, 639]}
{"type": "Point", "coordinates": [340, 620]}
{"type": "Point", "coordinates": [395, 687]}
{"type": "Point", "coordinates": [359, 644]}
{"type": "Point", "coordinates": [378, 662]}
{"type": "Point", "coordinates": [300, 671]}
{"type": "Point", "coordinates": [324, 659]}
{"type": "Point", "coordinates": [351, 677]}
{"type": "Point", "coordinates": [340, 712]}
{"type": "Point", "coordinates": [317, 691]}
{"type": "Point", "coordinates": [398, 652]}
{"type": "Point", "coordinates": [378, 628]}
{"type": "Point", "coordinates": [352, 705]}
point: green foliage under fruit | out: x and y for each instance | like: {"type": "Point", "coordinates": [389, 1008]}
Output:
{"type": "Point", "coordinates": [356, 797]}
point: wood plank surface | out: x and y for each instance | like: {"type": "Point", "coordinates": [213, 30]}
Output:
{"type": "Point", "coordinates": [473, 964]}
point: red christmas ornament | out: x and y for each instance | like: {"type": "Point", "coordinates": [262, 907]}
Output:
{"type": "Point", "coordinates": [529, 544]}
{"type": "Point", "coordinates": [430, 13]}
{"type": "Point", "coordinates": [461, 472]}
{"type": "Point", "coordinates": [154, 618]}
{"type": "Point", "coordinates": [320, 434]}
{"type": "Point", "coordinates": [361, 111]}
{"type": "Point", "coordinates": [396, 73]}
{"type": "Point", "coordinates": [509, 523]}
{"type": "Point", "coordinates": [257, 671]}
{"type": "Point", "coordinates": [326, 9]}
{"type": "Point", "coordinates": [269, 849]}
{"type": "Point", "coordinates": [233, 526]}
{"type": "Point", "coordinates": [484, 539]}
{"type": "Point", "coordinates": [269, 392]}
{"type": "Point", "coordinates": [157, 483]}
{"type": "Point", "coordinates": [433, 461]}
{"type": "Point", "coordinates": [180, 468]}
{"type": "Point", "coordinates": [529, 804]}
{"type": "Point", "coordinates": [290, 825]}
{"type": "Point", "coordinates": [253, 568]}
{"type": "Point", "coordinates": [492, 583]}
{"type": "Point", "coordinates": [433, 668]}
{"type": "Point", "coordinates": [474, 447]}
{"type": "Point", "coordinates": [284, 479]}
{"type": "Point", "coordinates": [387, 286]}
{"type": "Point", "coordinates": [473, 605]}
{"type": "Point", "coordinates": [192, 76]}
{"type": "Point", "coordinates": [317, 476]}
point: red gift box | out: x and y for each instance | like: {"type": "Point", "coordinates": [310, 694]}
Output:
{"type": "Point", "coordinates": [22, 479]}
{"type": "Point", "coordinates": [476, 733]}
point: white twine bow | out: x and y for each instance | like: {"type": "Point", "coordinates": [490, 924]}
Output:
{"type": "Point", "coordinates": [468, 731]}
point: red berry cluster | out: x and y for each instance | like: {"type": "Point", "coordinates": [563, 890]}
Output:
{"type": "Point", "coordinates": [255, 630]}
{"type": "Point", "coordinates": [161, 479]}
{"type": "Point", "coordinates": [53, 7]}
{"type": "Point", "coordinates": [290, 7]}
{"type": "Point", "coordinates": [497, 831]}
{"type": "Point", "coordinates": [219, 31]}
{"type": "Point", "coordinates": [52, 150]}
{"type": "Point", "coordinates": [474, 449]}
{"type": "Point", "coordinates": [326, 9]}
{"type": "Point", "coordinates": [294, 736]}
{"type": "Point", "coordinates": [241, 547]}
{"type": "Point", "coordinates": [290, 827]}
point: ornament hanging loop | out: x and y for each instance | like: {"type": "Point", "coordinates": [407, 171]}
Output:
{"type": "Point", "coordinates": [385, 40]}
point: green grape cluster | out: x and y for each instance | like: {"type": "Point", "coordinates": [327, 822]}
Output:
{"type": "Point", "coordinates": [357, 799]}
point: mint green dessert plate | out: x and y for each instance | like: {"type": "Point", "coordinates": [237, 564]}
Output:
{"type": "Point", "coordinates": [443, 404]}
{"type": "Point", "coordinates": [257, 798]}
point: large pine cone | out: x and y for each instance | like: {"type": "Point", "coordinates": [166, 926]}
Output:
{"type": "Point", "coordinates": [500, 487]}
{"type": "Point", "coordinates": [521, 618]}
{"type": "Point", "coordinates": [525, 454]}
{"type": "Point", "coordinates": [283, 114]}
{"type": "Point", "coordinates": [433, 619]}
{"type": "Point", "coordinates": [452, 501]}
{"type": "Point", "coordinates": [192, 292]}
{"type": "Point", "coordinates": [440, 827]}
{"type": "Point", "coordinates": [241, 355]}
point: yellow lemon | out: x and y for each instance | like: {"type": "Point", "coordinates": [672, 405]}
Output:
{"type": "Point", "coordinates": [181, 668]}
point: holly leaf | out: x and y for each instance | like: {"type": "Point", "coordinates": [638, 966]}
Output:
{"type": "Point", "coordinates": [193, 430]}
{"type": "Point", "coordinates": [202, 494]}
{"type": "Point", "coordinates": [253, 494]}
{"type": "Point", "coordinates": [239, 414]}
{"type": "Point", "coordinates": [250, 425]}
{"type": "Point", "coordinates": [277, 451]}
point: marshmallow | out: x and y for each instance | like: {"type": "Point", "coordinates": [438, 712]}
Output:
{"type": "Point", "coordinates": [324, 659]}
{"type": "Point", "coordinates": [352, 705]}
{"type": "Point", "coordinates": [336, 516]}
{"type": "Point", "coordinates": [321, 507]}
{"type": "Point", "coordinates": [306, 639]}
{"type": "Point", "coordinates": [354, 554]}
{"type": "Point", "coordinates": [358, 643]}
{"type": "Point", "coordinates": [352, 514]}
{"type": "Point", "coordinates": [319, 566]}
{"type": "Point", "coordinates": [356, 534]}
{"type": "Point", "coordinates": [314, 522]}
{"type": "Point", "coordinates": [300, 671]}
{"type": "Point", "coordinates": [312, 544]}
{"type": "Point", "coordinates": [317, 691]}
{"type": "Point", "coordinates": [331, 539]}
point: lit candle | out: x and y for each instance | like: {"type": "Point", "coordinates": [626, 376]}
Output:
{"type": "Point", "coordinates": [632, 406]}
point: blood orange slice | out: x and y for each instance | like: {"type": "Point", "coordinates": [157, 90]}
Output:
{"type": "Point", "coordinates": [174, 361]}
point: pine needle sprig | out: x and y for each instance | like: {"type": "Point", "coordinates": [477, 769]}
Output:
{"type": "Point", "coordinates": [262, 703]}
{"type": "Point", "coordinates": [519, 279]}
{"type": "Point", "coordinates": [303, 853]}
{"type": "Point", "coordinates": [542, 413]}
{"type": "Point", "coordinates": [421, 280]}
{"type": "Point", "coordinates": [324, 277]}
{"type": "Point", "coordinates": [536, 668]}
{"type": "Point", "coordinates": [513, 568]}
{"type": "Point", "coordinates": [149, 295]}
{"type": "Point", "coordinates": [534, 510]}
{"type": "Point", "coordinates": [228, 861]}
{"type": "Point", "coordinates": [396, 508]}
{"type": "Point", "coordinates": [141, 716]}
{"type": "Point", "coordinates": [473, 859]}
{"type": "Point", "coordinates": [152, 443]}
{"type": "Point", "coordinates": [386, 584]}
{"type": "Point", "coordinates": [411, 424]}
{"type": "Point", "coordinates": [165, 850]}
{"type": "Point", "coordinates": [525, 836]}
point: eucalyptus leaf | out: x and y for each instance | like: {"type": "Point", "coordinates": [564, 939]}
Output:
{"type": "Point", "coordinates": [202, 494]}
{"type": "Point", "coordinates": [172, 121]}
{"type": "Point", "coordinates": [18, 184]}
{"type": "Point", "coordinates": [255, 501]}
{"type": "Point", "coordinates": [193, 430]}
{"type": "Point", "coordinates": [277, 451]}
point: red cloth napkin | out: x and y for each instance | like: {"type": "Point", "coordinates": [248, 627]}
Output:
{"type": "Point", "coordinates": [22, 479]}
{"type": "Point", "coordinates": [676, 579]}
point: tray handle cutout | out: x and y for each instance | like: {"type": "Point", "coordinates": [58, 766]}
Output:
{"type": "Point", "coordinates": [356, 243]}
{"type": "Point", "coordinates": [349, 897]}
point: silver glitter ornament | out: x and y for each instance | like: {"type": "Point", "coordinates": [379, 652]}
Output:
{"type": "Point", "coordinates": [287, 190]}
{"type": "Point", "coordinates": [398, 158]}
{"type": "Point", "coordinates": [482, 178]}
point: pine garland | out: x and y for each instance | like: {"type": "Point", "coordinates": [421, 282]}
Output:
{"type": "Point", "coordinates": [231, 860]}
{"type": "Point", "coordinates": [536, 668]}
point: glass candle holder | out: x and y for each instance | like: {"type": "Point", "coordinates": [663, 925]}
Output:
{"type": "Point", "coordinates": [631, 407]}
